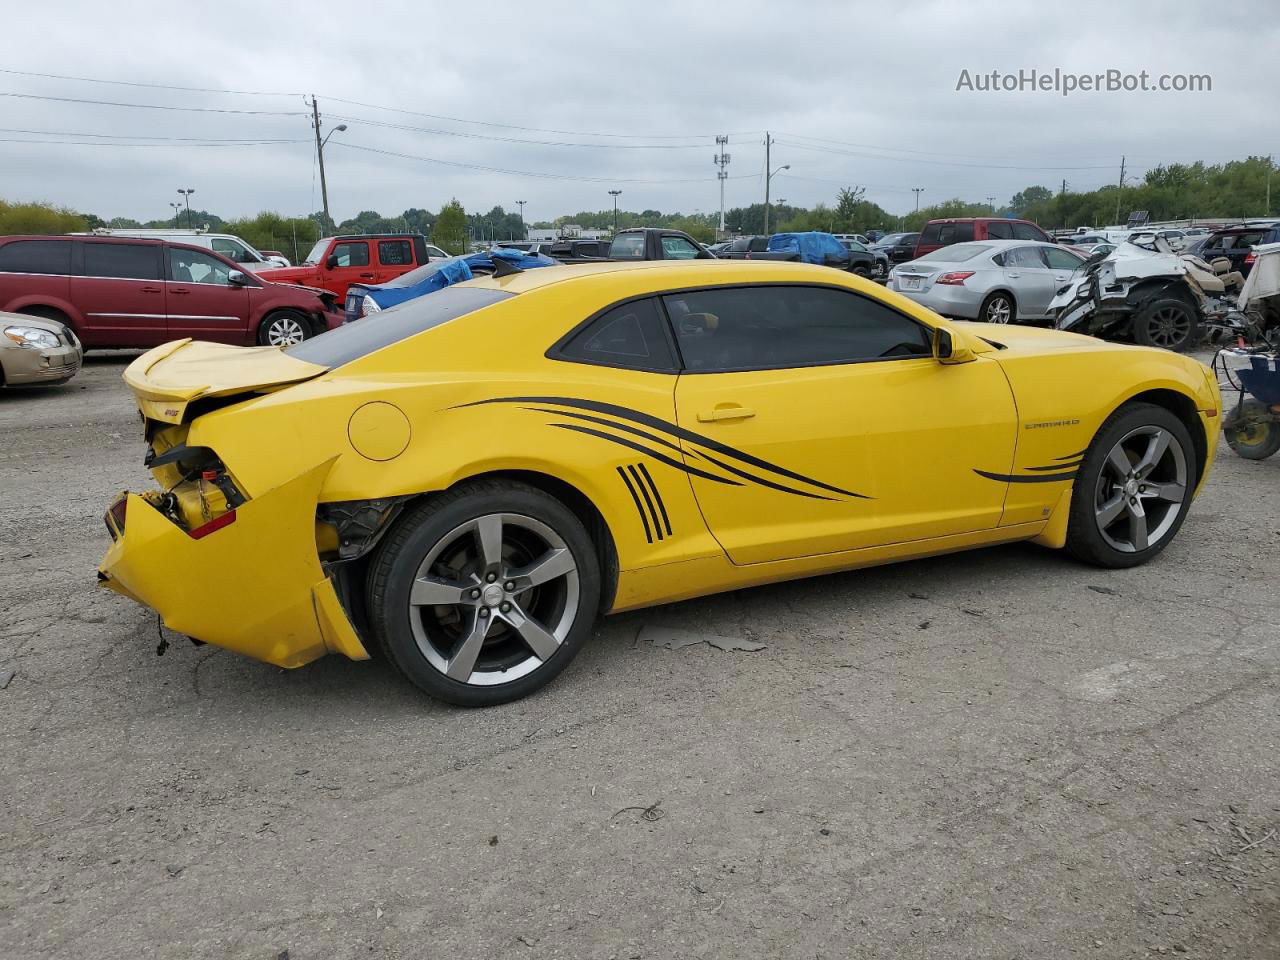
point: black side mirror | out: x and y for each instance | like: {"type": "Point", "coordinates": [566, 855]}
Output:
{"type": "Point", "coordinates": [331, 261]}
{"type": "Point", "coordinates": [943, 347]}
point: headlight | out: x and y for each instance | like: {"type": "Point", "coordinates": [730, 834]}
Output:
{"type": "Point", "coordinates": [368, 305]}
{"type": "Point", "coordinates": [32, 338]}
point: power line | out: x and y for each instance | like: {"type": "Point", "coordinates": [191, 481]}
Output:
{"type": "Point", "coordinates": [199, 143]}
{"type": "Point", "coordinates": [155, 106]}
{"type": "Point", "coordinates": [541, 143]}
{"type": "Point", "coordinates": [941, 163]}
{"type": "Point", "coordinates": [153, 86]}
{"type": "Point", "coordinates": [122, 136]}
{"type": "Point", "coordinates": [347, 145]}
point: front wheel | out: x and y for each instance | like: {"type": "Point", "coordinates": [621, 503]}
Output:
{"type": "Point", "coordinates": [483, 594]}
{"type": "Point", "coordinates": [1133, 487]}
{"type": "Point", "coordinates": [1252, 431]}
{"type": "Point", "coordinates": [284, 328]}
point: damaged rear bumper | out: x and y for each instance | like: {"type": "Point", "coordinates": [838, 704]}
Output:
{"type": "Point", "coordinates": [254, 585]}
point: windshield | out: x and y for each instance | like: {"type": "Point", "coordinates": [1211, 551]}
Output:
{"type": "Point", "coordinates": [890, 238]}
{"type": "Point", "coordinates": [317, 251]}
{"type": "Point", "coordinates": [956, 253]}
{"type": "Point", "coordinates": [351, 341]}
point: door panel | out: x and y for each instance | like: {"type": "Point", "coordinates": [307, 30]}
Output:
{"type": "Point", "coordinates": [355, 265]}
{"type": "Point", "coordinates": [823, 459]}
{"type": "Point", "coordinates": [1030, 279]}
{"type": "Point", "coordinates": [201, 301]}
{"type": "Point", "coordinates": [120, 294]}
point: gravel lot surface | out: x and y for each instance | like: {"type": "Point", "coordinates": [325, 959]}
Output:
{"type": "Point", "coordinates": [990, 755]}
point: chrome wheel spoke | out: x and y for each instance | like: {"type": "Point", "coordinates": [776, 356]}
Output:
{"type": "Point", "coordinates": [1119, 462]}
{"type": "Point", "coordinates": [1138, 527]}
{"type": "Point", "coordinates": [1156, 448]}
{"type": "Point", "coordinates": [489, 533]}
{"type": "Point", "coordinates": [1170, 492]}
{"type": "Point", "coordinates": [427, 591]}
{"type": "Point", "coordinates": [1110, 511]}
{"type": "Point", "coordinates": [554, 563]}
{"type": "Point", "coordinates": [540, 641]}
{"type": "Point", "coordinates": [462, 661]}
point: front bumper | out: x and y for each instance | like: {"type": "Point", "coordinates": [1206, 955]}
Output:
{"type": "Point", "coordinates": [50, 365]}
{"type": "Point", "coordinates": [254, 586]}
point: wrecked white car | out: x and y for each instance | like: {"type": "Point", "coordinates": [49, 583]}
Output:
{"type": "Point", "coordinates": [1149, 295]}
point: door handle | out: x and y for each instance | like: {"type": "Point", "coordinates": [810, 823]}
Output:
{"type": "Point", "coordinates": [366, 276]}
{"type": "Point", "coordinates": [1061, 278]}
{"type": "Point", "coordinates": [181, 290]}
{"type": "Point", "coordinates": [725, 411]}
{"type": "Point", "coordinates": [150, 289]}
{"type": "Point", "coordinates": [1012, 275]}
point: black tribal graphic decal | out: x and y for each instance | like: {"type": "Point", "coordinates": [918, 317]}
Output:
{"type": "Point", "coordinates": [622, 426]}
{"type": "Point", "coordinates": [648, 501]}
{"type": "Point", "coordinates": [1063, 468]}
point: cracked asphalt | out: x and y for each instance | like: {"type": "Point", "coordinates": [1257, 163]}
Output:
{"type": "Point", "coordinates": [999, 754]}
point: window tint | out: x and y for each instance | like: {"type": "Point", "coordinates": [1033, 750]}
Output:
{"type": "Point", "coordinates": [999, 231]}
{"type": "Point", "coordinates": [1023, 257]}
{"type": "Point", "coordinates": [395, 253]}
{"type": "Point", "coordinates": [931, 233]}
{"type": "Point", "coordinates": [362, 337]}
{"type": "Point", "coordinates": [954, 233]}
{"type": "Point", "coordinates": [351, 254]}
{"type": "Point", "coordinates": [232, 250]}
{"type": "Point", "coordinates": [678, 248]}
{"type": "Point", "coordinates": [628, 247]}
{"type": "Point", "coordinates": [1027, 231]}
{"type": "Point", "coordinates": [1060, 259]}
{"type": "Point", "coordinates": [130, 261]}
{"type": "Point", "coordinates": [192, 266]}
{"type": "Point", "coordinates": [36, 256]}
{"type": "Point", "coordinates": [629, 335]}
{"type": "Point", "coordinates": [764, 327]}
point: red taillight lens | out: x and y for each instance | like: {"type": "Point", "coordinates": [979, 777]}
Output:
{"type": "Point", "coordinates": [213, 526]}
{"type": "Point", "coordinates": [1249, 260]}
{"type": "Point", "coordinates": [956, 278]}
{"type": "Point", "coordinates": [114, 519]}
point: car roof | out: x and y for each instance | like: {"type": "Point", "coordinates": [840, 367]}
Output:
{"type": "Point", "coordinates": [675, 273]}
{"type": "Point", "coordinates": [978, 220]}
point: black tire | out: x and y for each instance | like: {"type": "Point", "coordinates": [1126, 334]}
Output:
{"type": "Point", "coordinates": [424, 642]}
{"type": "Point", "coordinates": [998, 304]}
{"type": "Point", "coordinates": [862, 272]}
{"type": "Point", "coordinates": [284, 328]}
{"type": "Point", "coordinates": [1252, 430]}
{"type": "Point", "coordinates": [1169, 323]}
{"type": "Point", "coordinates": [1096, 487]}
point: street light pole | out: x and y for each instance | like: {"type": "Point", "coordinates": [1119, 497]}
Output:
{"type": "Point", "coordinates": [186, 195]}
{"type": "Point", "coordinates": [176, 207]}
{"type": "Point", "coordinates": [615, 194]}
{"type": "Point", "coordinates": [324, 186]}
{"type": "Point", "coordinates": [917, 191]}
{"type": "Point", "coordinates": [524, 234]}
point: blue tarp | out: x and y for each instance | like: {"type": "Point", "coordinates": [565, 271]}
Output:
{"type": "Point", "coordinates": [813, 247]}
{"type": "Point", "coordinates": [437, 275]}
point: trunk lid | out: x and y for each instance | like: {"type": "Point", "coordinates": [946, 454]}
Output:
{"type": "Point", "coordinates": [168, 378]}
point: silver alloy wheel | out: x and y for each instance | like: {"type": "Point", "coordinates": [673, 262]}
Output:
{"type": "Point", "coordinates": [284, 331]}
{"type": "Point", "coordinates": [999, 310]}
{"type": "Point", "coordinates": [1140, 489]}
{"type": "Point", "coordinates": [1169, 326]}
{"type": "Point", "coordinates": [494, 599]}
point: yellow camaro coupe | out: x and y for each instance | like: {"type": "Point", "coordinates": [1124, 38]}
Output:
{"type": "Point", "coordinates": [467, 481]}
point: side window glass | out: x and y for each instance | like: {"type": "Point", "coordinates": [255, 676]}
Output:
{"type": "Point", "coordinates": [395, 253]}
{"type": "Point", "coordinates": [231, 250]}
{"type": "Point", "coordinates": [1023, 257]}
{"type": "Point", "coordinates": [629, 335]}
{"type": "Point", "coordinates": [1061, 259]}
{"type": "Point", "coordinates": [125, 261]}
{"type": "Point", "coordinates": [678, 248]}
{"type": "Point", "coordinates": [788, 326]}
{"type": "Point", "coordinates": [352, 254]}
{"type": "Point", "coordinates": [36, 256]}
{"type": "Point", "coordinates": [1025, 231]}
{"type": "Point", "coordinates": [192, 266]}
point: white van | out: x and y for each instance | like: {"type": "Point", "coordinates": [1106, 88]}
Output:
{"type": "Point", "coordinates": [231, 247]}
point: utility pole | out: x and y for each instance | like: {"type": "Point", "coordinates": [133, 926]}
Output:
{"type": "Point", "coordinates": [991, 202]}
{"type": "Point", "coordinates": [1119, 190]}
{"type": "Point", "coordinates": [768, 142]}
{"type": "Point", "coordinates": [324, 186]}
{"type": "Point", "coordinates": [917, 191]}
{"type": "Point", "coordinates": [1267, 211]}
{"type": "Point", "coordinates": [721, 160]}
{"type": "Point", "coordinates": [615, 194]}
{"type": "Point", "coordinates": [524, 234]}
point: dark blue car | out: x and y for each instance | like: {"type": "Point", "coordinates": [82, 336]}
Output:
{"type": "Point", "coordinates": [366, 298]}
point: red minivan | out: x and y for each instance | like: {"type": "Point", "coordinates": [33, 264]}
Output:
{"type": "Point", "coordinates": [124, 292]}
{"type": "Point", "coordinates": [943, 233]}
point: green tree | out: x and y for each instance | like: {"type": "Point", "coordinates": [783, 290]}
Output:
{"type": "Point", "coordinates": [450, 233]}
{"type": "Point", "coordinates": [1024, 200]}
{"type": "Point", "coordinates": [40, 218]}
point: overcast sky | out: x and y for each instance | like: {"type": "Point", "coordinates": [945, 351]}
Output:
{"type": "Point", "coordinates": [662, 78]}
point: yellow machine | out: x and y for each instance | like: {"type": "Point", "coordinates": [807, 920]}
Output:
{"type": "Point", "coordinates": [468, 480]}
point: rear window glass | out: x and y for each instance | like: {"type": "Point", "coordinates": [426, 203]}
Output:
{"type": "Point", "coordinates": [351, 341]}
{"type": "Point", "coordinates": [956, 253]}
{"type": "Point", "coordinates": [36, 256]}
{"type": "Point", "coordinates": [628, 247]}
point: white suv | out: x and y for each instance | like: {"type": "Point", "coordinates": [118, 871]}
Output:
{"type": "Point", "coordinates": [231, 247]}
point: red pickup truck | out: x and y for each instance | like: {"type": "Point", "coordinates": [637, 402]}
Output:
{"type": "Point", "coordinates": [335, 263]}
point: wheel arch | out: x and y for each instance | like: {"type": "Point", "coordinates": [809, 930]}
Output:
{"type": "Point", "coordinates": [1184, 408]}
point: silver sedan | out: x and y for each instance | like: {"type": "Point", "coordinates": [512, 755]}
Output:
{"type": "Point", "coordinates": [999, 281]}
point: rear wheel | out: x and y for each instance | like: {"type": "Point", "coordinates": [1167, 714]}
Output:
{"type": "Point", "coordinates": [862, 271]}
{"type": "Point", "coordinates": [1252, 430]}
{"type": "Point", "coordinates": [998, 308]}
{"type": "Point", "coordinates": [1169, 323]}
{"type": "Point", "coordinates": [484, 594]}
{"type": "Point", "coordinates": [284, 328]}
{"type": "Point", "coordinates": [1133, 487]}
